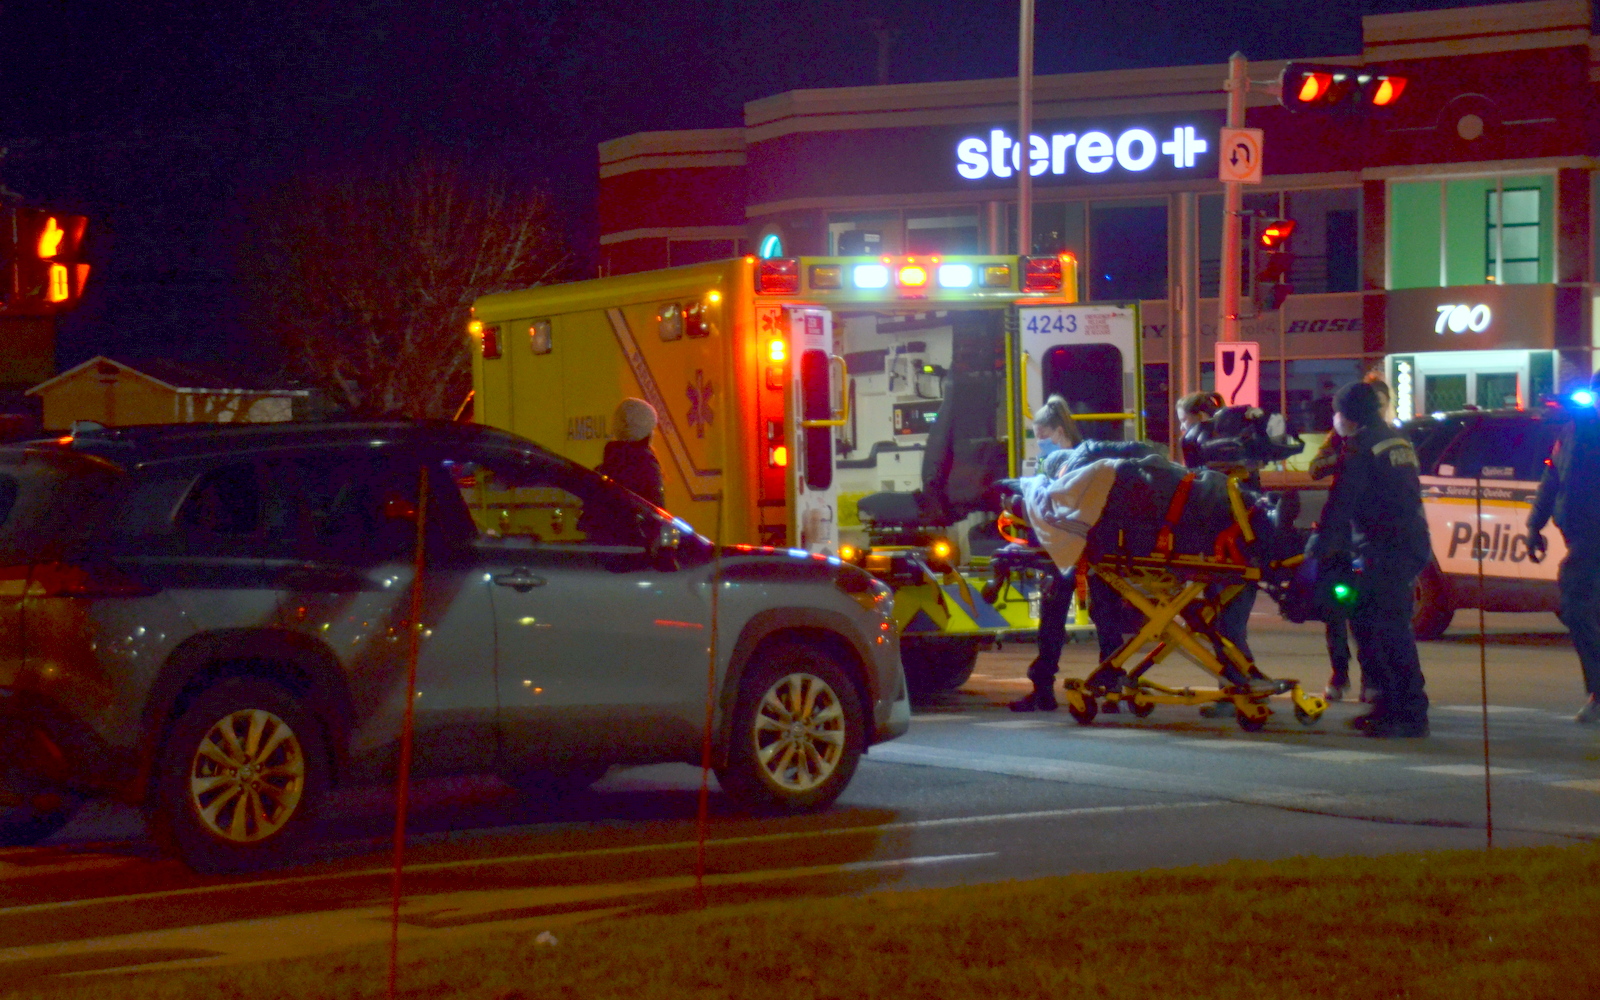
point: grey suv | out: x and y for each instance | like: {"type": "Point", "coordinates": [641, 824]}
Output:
{"type": "Point", "coordinates": [217, 621]}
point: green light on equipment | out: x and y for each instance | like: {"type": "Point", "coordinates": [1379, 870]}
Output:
{"type": "Point", "coordinates": [1343, 593]}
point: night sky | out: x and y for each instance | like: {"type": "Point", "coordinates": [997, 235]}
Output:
{"type": "Point", "coordinates": [159, 118]}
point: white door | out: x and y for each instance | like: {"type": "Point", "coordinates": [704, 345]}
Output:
{"type": "Point", "coordinates": [818, 408]}
{"type": "Point", "coordinates": [1090, 355]}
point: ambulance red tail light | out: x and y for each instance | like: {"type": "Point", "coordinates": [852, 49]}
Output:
{"type": "Point", "coordinates": [1041, 274]}
{"type": "Point", "coordinates": [778, 276]}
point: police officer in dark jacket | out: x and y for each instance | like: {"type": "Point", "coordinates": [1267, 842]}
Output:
{"type": "Point", "coordinates": [1569, 493]}
{"type": "Point", "coordinates": [1374, 517]}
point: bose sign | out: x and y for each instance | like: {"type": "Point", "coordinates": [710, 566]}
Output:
{"type": "Point", "coordinates": [1134, 150]}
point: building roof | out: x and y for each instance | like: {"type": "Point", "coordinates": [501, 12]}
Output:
{"type": "Point", "coordinates": [171, 375]}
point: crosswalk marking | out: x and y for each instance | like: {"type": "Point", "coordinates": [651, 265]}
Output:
{"type": "Point", "coordinates": [1343, 756]}
{"type": "Point", "coordinates": [1579, 785]}
{"type": "Point", "coordinates": [1466, 770]}
{"type": "Point", "coordinates": [1015, 724]}
{"type": "Point", "coordinates": [942, 717]}
{"type": "Point", "coordinates": [1226, 743]}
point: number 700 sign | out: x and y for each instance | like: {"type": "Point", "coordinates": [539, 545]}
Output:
{"type": "Point", "coordinates": [1462, 319]}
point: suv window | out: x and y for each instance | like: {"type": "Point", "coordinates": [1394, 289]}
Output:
{"type": "Point", "coordinates": [49, 503]}
{"type": "Point", "coordinates": [514, 501]}
{"type": "Point", "coordinates": [1499, 449]}
{"type": "Point", "coordinates": [357, 508]}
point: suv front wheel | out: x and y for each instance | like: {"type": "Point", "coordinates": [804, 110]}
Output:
{"type": "Point", "coordinates": [798, 732]}
{"type": "Point", "coordinates": [240, 775]}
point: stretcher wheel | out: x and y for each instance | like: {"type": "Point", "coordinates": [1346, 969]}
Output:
{"type": "Point", "coordinates": [1304, 717]}
{"type": "Point", "coordinates": [1249, 723]}
{"type": "Point", "coordinates": [1139, 707]}
{"type": "Point", "coordinates": [1085, 713]}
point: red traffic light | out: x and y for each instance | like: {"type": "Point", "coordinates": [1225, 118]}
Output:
{"type": "Point", "coordinates": [1347, 89]}
{"type": "Point", "coordinates": [1276, 233]}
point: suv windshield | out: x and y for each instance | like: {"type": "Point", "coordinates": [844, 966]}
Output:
{"type": "Point", "coordinates": [49, 502]}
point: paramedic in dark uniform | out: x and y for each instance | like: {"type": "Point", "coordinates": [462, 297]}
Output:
{"type": "Point", "coordinates": [1374, 516]}
{"type": "Point", "coordinates": [1570, 494]}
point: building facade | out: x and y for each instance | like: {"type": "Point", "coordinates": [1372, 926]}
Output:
{"type": "Point", "coordinates": [1450, 241]}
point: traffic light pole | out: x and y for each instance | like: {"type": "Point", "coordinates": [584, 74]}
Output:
{"type": "Point", "coordinates": [1237, 85]}
{"type": "Point", "coordinates": [1025, 129]}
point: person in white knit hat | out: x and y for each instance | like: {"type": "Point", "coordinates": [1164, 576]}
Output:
{"type": "Point", "coordinates": [628, 459]}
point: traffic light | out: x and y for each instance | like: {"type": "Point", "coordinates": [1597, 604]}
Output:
{"type": "Point", "coordinates": [1340, 89]}
{"type": "Point", "coordinates": [46, 274]}
{"type": "Point", "coordinates": [1273, 257]}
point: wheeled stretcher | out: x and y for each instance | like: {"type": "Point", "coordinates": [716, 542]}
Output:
{"type": "Point", "coordinates": [1171, 549]}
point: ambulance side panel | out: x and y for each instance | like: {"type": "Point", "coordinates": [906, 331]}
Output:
{"type": "Point", "coordinates": [607, 341]}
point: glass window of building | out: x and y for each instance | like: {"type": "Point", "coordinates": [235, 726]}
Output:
{"type": "Point", "coordinates": [885, 226]}
{"type": "Point", "coordinates": [1127, 256]}
{"type": "Point", "coordinates": [1325, 250]}
{"type": "Point", "coordinates": [942, 232]}
{"type": "Point", "coordinates": [1512, 217]}
{"type": "Point", "coordinates": [1473, 231]}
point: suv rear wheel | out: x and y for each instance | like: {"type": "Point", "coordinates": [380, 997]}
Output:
{"type": "Point", "coordinates": [240, 776]}
{"type": "Point", "coordinates": [798, 732]}
{"type": "Point", "coordinates": [1432, 611]}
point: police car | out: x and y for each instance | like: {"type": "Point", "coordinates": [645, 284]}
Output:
{"type": "Point", "coordinates": [1480, 473]}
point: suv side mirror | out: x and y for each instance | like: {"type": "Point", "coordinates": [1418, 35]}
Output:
{"type": "Point", "coordinates": [668, 537]}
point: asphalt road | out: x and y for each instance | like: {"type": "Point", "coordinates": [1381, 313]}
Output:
{"type": "Point", "coordinates": [974, 793]}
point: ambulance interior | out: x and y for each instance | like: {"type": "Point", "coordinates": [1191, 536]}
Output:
{"type": "Point", "coordinates": [909, 369]}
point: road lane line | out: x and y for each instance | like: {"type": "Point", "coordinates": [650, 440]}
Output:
{"type": "Point", "coordinates": [1228, 743]}
{"type": "Point", "coordinates": [682, 845]}
{"type": "Point", "coordinates": [1579, 785]}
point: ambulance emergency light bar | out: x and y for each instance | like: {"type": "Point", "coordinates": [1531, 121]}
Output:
{"type": "Point", "coordinates": [917, 276]}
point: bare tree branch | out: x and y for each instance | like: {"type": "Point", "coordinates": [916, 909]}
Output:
{"type": "Point", "coordinates": [367, 277]}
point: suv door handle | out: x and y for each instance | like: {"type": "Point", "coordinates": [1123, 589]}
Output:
{"type": "Point", "coordinates": [519, 580]}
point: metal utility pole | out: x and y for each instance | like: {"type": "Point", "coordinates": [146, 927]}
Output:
{"type": "Point", "coordinates": [1184, 316]}
{"type": "Point", "coordinates": [1237, 85]}
{"type": "Point", "coordinates": [1025, 129]}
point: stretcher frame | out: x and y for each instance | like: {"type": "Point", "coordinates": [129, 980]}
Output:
{"type": "Point", "coordinates": [1181, 597]}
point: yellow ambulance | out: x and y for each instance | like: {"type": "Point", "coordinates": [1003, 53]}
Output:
{"type": "Point", "coordinates": [790, 390]}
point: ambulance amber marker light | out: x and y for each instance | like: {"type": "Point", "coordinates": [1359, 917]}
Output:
{"type": "Point", "coordinates": [778, 457]}
{"type": "Point", "coordinates": [475, 328]}
{"type": "Point", "coordinates": [777, 350]}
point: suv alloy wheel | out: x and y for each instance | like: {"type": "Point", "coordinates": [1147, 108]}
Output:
{"type": "Point", "coordinates": [240, 776]}
{"type": "Point", "coordinates": [798, 732]}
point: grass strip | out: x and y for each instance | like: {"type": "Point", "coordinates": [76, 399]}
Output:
{"type": "Point", "coordinates": [1447, 925]}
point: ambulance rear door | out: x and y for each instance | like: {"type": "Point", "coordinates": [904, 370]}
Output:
{"type": "Point", "coordinates": [1089, 354]}
{"type": "Point", "coordinates": [818, 408]}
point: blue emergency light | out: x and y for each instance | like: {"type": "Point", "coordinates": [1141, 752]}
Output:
{"type": "Point", "coordinates": [1582, 397]}
{"type": "Point", "coordinates": [871, 276]}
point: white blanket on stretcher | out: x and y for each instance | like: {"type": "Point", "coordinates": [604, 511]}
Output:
{"type": "Point", "coordinates": [1061, 511]}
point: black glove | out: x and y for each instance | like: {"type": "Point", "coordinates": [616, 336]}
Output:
{"type": "Point", "coordinates": [1536, 545]}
